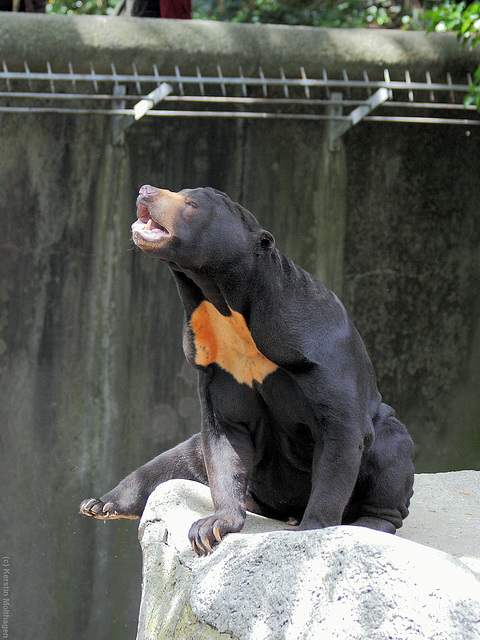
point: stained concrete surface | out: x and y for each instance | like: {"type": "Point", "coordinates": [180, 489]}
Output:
{"type": "Point", "coordinates": [93, 379]}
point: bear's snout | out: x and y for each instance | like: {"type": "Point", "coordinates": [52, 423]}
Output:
{"type": "Point", "coordinates": [147, 190]}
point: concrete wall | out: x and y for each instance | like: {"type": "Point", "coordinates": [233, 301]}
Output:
{"type": "Point", "coordinates": [93, 379]}
{"type": "Point", "coordinates": [412, 276]}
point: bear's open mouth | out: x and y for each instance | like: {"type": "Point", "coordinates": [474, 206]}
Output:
{"type": "Point", "coordinates": [147, 228]}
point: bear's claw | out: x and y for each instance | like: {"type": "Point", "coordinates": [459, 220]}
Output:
{"type": "Point", "coordinates": [95, 508]}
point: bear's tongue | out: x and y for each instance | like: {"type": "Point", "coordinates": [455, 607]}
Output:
{"type": "Point", "coordinates": [149, 229]}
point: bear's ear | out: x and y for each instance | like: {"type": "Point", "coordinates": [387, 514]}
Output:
{"type": "Point", "coordinates": [265, 242]}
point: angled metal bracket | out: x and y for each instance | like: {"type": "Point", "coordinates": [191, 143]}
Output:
{"type": "Point", "coordinates": [337, 129]}
{"type": "Point", "coordinates": [122, 122]}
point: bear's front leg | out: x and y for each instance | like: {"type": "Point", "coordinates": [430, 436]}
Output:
{"type": "Point", "coordinates": [335, 469]}
{"type": "Point", "coordinates": [228, 456]}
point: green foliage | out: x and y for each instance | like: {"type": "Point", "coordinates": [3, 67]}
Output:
{"type": "Point", "coordinates": [93, 7]}
{"type": "Point", "coordinates": [464, 20]}
{"type": "Point", "coordinates": [324, 13]}
{"type": "Point", "coordinates": [473, 96]}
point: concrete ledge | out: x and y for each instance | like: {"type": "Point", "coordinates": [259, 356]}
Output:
{"type": "Point", "coordinates": [445, 515]}
{"type": "Point", "coordinates": [103, 40]}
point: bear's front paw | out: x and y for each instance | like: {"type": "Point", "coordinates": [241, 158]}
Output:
{"type": "Point", "coordinates": [205, 533]}
{"type": "Point", "coordinates": [96, 508]}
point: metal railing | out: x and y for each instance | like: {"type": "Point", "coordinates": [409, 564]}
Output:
{"type": "Point", "coordinates": [344, 101]}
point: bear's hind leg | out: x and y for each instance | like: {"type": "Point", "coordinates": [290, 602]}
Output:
{"type": "Point", "coordinates": [128, 498]}
{"type": "Point", "coordinates": [385, 485]}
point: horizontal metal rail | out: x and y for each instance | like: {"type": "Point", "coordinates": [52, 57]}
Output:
{"type": "Point", "coordinates": [176, 98]}
{"type": "Point", "coordinates": [95, 97]}
{"type": "Point", "coordinates": [173, 113]}
{"type": "Point", "coordinates": [423, 120]}
{"type": "Point", "coordinates": [338, 100]}
{"type": "Point", "coordinates": [233, 81]}
{"type": "Point", "coordinates": [238, 114]}
{"type": "Point", "coordinates": [222, 81]}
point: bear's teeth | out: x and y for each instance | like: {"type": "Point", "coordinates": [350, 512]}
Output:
{"type": "Point", "coordinates": [148, 225]}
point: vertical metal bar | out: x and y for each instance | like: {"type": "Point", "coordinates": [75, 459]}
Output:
{"type": "Point", "coordinates": [449, 81]}
{"type": "Point", "coordinates": [325, 79]}
{"type": "Point", "coordinates": [94, 79]}
{"type": "Point", "coordinates": [7, 81]}
{"type": "Point", "coordinates": [285, 87]}
{"type": "Point", "coordinates": [264, 86]}
{"type": "Point", "coordinates": [156, 74]}
{"type": "Point", "coordinates": [70, 70]}
{"type": "Point", "coordinates": [49, 71]}
{"type": "Point", "coordinates": [386, 75]}
{"type": "Point", "coordinates": [334, 110]}
{"type": "Point", "coordinates": [137, 81]}
{"type": "Point", "coordinates": [345, 77]}
{"type": "Point", "coordinates": [307, 88]}
{"type": "Point", "coordinates": [27, 71]}
{"type": "Point", "coordinates": [222, 86]}
{"type": "Point", "coordinates": [200, 83]}
{"type": "Point", "coordinates": [244, 86]}
{"type": "Point", "coordinates": [408, 80]}
{"type": "Point", "coordinates": [180, 83]}
{"type": "Point", "coordinates": [118, 130]}
{"type": "Point", "coordinates": [116, 87]}
{"type": "Point", "coordinates": [365, 77]}
{"type": "Point", "coordinates": [429, 81]}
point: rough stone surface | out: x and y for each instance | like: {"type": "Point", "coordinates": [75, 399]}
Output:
{"type": "Point", "coordinates": [341, 582]}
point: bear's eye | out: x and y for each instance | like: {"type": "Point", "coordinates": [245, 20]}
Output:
{"type": "Point", "coordinates": [192, 204]}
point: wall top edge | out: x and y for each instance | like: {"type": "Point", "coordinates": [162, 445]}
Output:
{"type": "Point", "coordinates": [101, 40]}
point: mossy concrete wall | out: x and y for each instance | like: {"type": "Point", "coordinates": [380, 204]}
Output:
{"type": "Point", "coordinates": [93, 379]}
{"type": "Point", "coordinates": [412, 279]}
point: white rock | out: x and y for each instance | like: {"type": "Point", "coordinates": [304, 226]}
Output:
{"type": "Point", "coordinates": [266, 583]}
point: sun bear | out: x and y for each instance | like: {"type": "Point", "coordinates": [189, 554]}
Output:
{"type": "Point", "coordinates": [293, 426]}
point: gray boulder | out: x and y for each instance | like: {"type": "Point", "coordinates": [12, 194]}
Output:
{"type": "Point", "coordinates": [342, 582]}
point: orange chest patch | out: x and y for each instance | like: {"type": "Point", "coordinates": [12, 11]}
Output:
{"type": "Point", "coordinates": [227, 341]}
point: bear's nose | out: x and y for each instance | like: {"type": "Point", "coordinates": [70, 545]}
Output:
{"type": "Point", "coordinates": [147, 190]}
